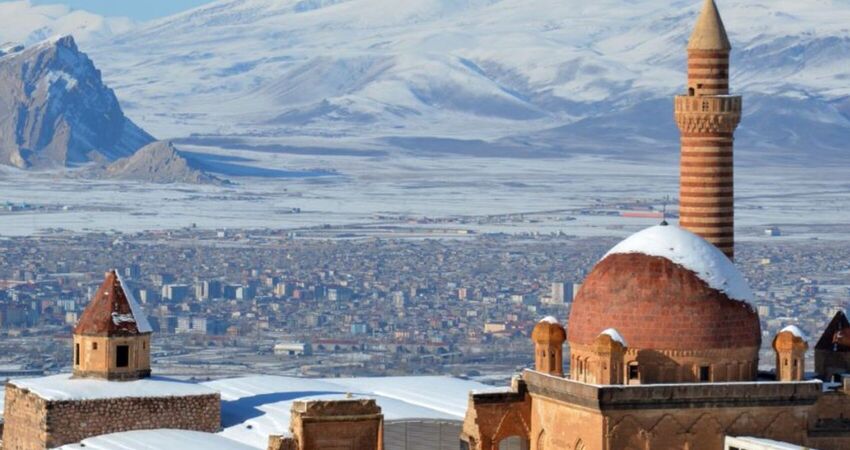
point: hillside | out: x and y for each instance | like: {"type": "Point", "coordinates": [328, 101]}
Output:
{"type": "Point", "coordinates": [532, 76]}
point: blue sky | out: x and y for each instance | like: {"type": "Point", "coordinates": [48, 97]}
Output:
{"type": "Point", "coordinates": [135, 9]}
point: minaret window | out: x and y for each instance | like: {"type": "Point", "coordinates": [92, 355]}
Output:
{"type": "Point", "coordinates": [77, 354]}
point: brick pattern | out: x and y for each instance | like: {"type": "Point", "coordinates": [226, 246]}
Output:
{"type": "Point", "coordinates": [33, 423]}
{"type": "Point", "coordinates": [656, 304]}
{"type": "Point", "coordinates": [707, 118]}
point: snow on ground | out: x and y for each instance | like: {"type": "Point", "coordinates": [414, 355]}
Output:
{"type": "Point", "coordinates": [691, 252]}
{"type": "Point", "coordinates": [158, 440]}
{"type": "Point", "coordinates": [255, 407]}
{"type": "Point", "coordinates": [63, 387]}
{"type": "Point", "coordinates": [804, 202]}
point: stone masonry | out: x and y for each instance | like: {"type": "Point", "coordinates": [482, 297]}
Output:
{"type": "Point", "coordinates": [33, 423]}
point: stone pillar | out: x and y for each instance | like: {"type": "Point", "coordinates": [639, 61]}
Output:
{"type": "Point", "coordinates": [790, 346]}
{"type": "Point", "coordinates": [549, 336]}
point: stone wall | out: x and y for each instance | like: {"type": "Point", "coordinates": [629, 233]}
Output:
{"type": "Point", "coordinates": [571, 415]}
{"type": "Point", "coordinates": [33, 423]}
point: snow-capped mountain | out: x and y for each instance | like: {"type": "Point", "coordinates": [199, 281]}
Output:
{"type": "Point", "coordinates": [25, 23]}
{"type": "Point", "coordinates": [56, 111]}
{"type": "Point", "coordinates": [475, 76]}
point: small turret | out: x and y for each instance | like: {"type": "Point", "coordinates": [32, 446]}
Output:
{"type": "Point", "coordinates": [549, 336]}
{"type": "Point", "coordinates": [790, 346]}
{"type": "Point", "coordinates": [112, 338]}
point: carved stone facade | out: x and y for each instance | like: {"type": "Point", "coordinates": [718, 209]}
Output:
{"type": "Point", "coordinates": [33, 423]}
{"type": "Point", "coordinates": [566, 414]}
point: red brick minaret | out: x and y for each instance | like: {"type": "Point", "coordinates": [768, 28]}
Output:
{"type": "Point", "coordinates": [707, 118]}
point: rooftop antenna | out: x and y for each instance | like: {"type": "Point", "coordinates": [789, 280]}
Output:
{"type": "Point", "coordinates": [664, 211]}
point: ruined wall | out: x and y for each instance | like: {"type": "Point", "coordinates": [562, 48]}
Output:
{"type": "Point", "coordinates": [33, 423]}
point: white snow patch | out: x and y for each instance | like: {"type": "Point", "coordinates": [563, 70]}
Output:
{"type": "Point", "coordinates": [691, 252]}
{"type": "Point", "coordinates": [118, 319]}
{"type": "Point", "coordinates": [615, 335]}
{"type": "Point", "coordinates": [157, 440]}
{"type": "Point", "coordinates": [142, 323]}
{"type": "Point", "coordinates": [796, 331]}
{"type": "Point", "coordinates": [254, 407]}
{"type": "Point", "coordinates": [63, 387]}
{"type": "Point", "coordinates": [550, 319]}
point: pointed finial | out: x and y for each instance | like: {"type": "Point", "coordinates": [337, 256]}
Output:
{"type": "Point", "coordinates": [709, 33]}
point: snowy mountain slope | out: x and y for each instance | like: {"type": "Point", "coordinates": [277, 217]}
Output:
{"type": "Point", "coordinates": [25, 23]}
{"type": "Point", "coordinates": [56, 111]}
{"type": "Point", "coordinates": [566, 75]}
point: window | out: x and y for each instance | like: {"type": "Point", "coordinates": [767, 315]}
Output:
{"type": "Point", "coordinates": [705, 106]}
{"type": "Point", "coordinates": [122, 356]}
{"type": "Point", "coordinates": [691, 92]}
{"type": "Point", "coordinates": [94, 345]}
{"type": "Point", "coordinates": [634, 374]}
{"type": "Point", "coordinates": [705, 373]}
{"type": "Point", "coordinates": [77, 355]}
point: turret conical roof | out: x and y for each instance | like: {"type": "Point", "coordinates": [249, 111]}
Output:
{"type": "Point", "coordinates": [709, 33]}
{"type": "Point", "coordinates": [113, 311]}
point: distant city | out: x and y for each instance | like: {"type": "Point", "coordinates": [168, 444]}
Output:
{"type": "Point", "coordinates": [265, 301]}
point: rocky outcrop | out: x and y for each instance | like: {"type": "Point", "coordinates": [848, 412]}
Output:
{"type": "Point", "coordinates": [55, 110]}
{"type": "Point", "coordinates": [159, 162]}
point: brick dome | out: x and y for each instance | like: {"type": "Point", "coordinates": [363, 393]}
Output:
{"type": "Point", "coordinates": [658, 304]}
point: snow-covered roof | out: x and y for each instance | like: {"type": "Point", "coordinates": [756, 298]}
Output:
{"type": "Point", "coordinates": [550, 319]}
{"type": "Point", "coordinates": [63, 387]}
{"type": "Point", "coordinates": [138, 313]}
{"type": "Point", "coordinates": [763, 444]}
{"type": "Point", "coordinates": [254, 407]}
{"type": "Point", "coordinates": [158, 440]}
{"type": "Point", "coordinates": [796, 331]}
{"type": "Point", "coordinates": [615, 335]}
{"type": "Point", "coordinates": [691, 252]}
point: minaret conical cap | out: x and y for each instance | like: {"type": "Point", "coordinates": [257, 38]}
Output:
{"type": "Point", "coordinates": [709, 34]}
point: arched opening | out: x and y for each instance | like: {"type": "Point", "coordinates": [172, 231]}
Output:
{"type": "Point", "coordinates": [691, 92]}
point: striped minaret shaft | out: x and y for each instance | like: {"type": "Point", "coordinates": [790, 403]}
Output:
{"type": "Point", "coordinates": [707, 118]}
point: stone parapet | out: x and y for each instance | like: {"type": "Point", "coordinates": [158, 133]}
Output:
{"type": "Point", "coordinates": [674, 396]}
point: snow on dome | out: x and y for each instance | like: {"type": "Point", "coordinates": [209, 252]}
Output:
{"type": "Point", "coordinates": [141, 319]}
{"type": "Point", "coordinates": [796, 331]}
{"type": "Point", "coordinates": [691, 252]}
{"type": "Point", "coordinates": [615, 335]}
{"type": "Point", "coordinates": [550, 319]}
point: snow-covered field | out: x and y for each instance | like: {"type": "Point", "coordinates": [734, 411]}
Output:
{"type": "Point", "coordinates": [448, 108]}
{"type": "Point", "coordinates": [804, 202]}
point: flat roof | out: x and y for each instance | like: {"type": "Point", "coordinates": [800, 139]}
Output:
{"type": "Point", "coordinates": [63, 387]}
{"type": "Point", "coordinates": [254, 407]}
